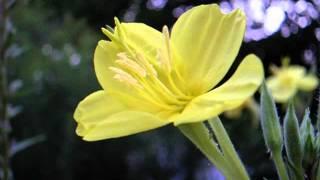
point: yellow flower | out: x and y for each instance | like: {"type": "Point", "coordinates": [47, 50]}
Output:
{"type": "Point", "coordinates": [288, 79]}
{"type": "Point", "coordinates": [151, 79]}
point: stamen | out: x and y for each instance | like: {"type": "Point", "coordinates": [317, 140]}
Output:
{"type": "Point", "coordinates": [119, 29]}
{"type": "Point", "coordinates": [130, 65]}
{"type": "Point", "coordinates": [146, 65]}
{"type": "Point", "coordinates": [164, 55]}
{"type": "Point", "coordinates": [125, 77]}
{"type": "Point", "coordinates": [110, 34]}
{"type": "Point", "coordinates": [165, 32]}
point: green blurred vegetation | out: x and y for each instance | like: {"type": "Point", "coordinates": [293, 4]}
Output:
{"type": "Point", "coordinates": [53, 65]}
{"type": "Point", "coordinates": [51, 70]}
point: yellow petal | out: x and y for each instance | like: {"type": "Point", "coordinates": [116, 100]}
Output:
{"type": "Point", "coordinates": [123, 124]}
{"type": "Point", "coordinates": [243, 83]}
{"type": "Point", "coordinates": [104, 57]}
{"type": "Point", "coordinates": [95, 107]}
{"type": "Point", "coordinates": [308, 83]}
{"type": "Point", "coordinates": [294, 71]}
{"type": "Point", "coordinates": [100, 116]}
{"type": "Point", "coordinates": [208, 45]}
{"type": "Point", "coordinates": [281, 91]}
{"type": "Point", "coordinates": [285, 82]}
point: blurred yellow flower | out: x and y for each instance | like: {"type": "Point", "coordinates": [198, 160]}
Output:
{"type": "Point", "coordinates": [288, 79]}
{"type": "Point", "coordinates": [151, 79]}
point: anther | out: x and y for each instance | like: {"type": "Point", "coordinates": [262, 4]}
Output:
{"type": "Point", "coordinates": [125, 77]}
{"type": "Point", "coordinates": [146, 65]}
{"type": "Point", "coordinates": [130, 65]}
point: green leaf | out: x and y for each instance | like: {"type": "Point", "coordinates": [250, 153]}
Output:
{"type": "Point", "coordinates": [292, 141]}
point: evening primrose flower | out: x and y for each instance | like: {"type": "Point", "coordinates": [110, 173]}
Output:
{"type": "Point", "coordinates": [288, 79]}
{"type": "Point", "coordinates": [150, 79]}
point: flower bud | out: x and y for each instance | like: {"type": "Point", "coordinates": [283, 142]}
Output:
{"type": "Point", "coordinates": [270, 121]}
{"type": "Point", "coordinates": [292, 140]}
{"type": "Point", "coordinates": [307, 137]}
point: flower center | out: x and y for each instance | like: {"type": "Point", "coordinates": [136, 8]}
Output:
{"type": "Point", "coordinates": [154, 82]}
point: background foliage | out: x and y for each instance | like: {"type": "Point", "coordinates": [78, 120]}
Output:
{"type": "Point", "coordinates": [51, 70]}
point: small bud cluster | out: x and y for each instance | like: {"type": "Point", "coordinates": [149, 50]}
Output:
{"type": "Point", "coordinates": [301, 141]}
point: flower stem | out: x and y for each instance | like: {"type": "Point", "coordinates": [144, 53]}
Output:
{"type": "Point", "coordinates": [198, 134]}
{"type": "Point", "coordinates": [4, 119]}
{"type": "Point", "coordinates": [227, 148]}
{"type": "Point", "coordinates": [280, 166]}
{"type": "Point", "coordinates": [222, 155]}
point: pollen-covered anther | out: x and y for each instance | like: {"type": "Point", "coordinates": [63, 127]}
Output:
{"type": "Point", "coordinates": [125, 77]}
{"type": "Point", "coordinates": [130, 65]}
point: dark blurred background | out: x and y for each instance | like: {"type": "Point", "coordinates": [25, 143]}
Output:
{"type": "Point", "coordinates": [51, 70]}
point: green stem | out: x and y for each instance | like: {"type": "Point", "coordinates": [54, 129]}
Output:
{"type": "Point", "coordinates": [299, 172]}
{"type": "Point", "coordinates": [280, 166]}
{"type": "Point", "coordinates": [4, 119]}
{"type": "Point", "coordinates": [228, 149]}
{"type": "Point", "coordinates": [198, 134]}
{"type": "Point", "coordinates": [318, 172]}
{"type": "Point", "coordinates": [4, 124]}
{"type": "Point", "coordinates": [224, 158]}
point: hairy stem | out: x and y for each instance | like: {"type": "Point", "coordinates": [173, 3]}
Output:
{"type": "Point", "coordinates": [229, 152]}
{"type": "Point", "coordinates": [280, 166]}
{"type": "Point", "coordinates": [4, 119]}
